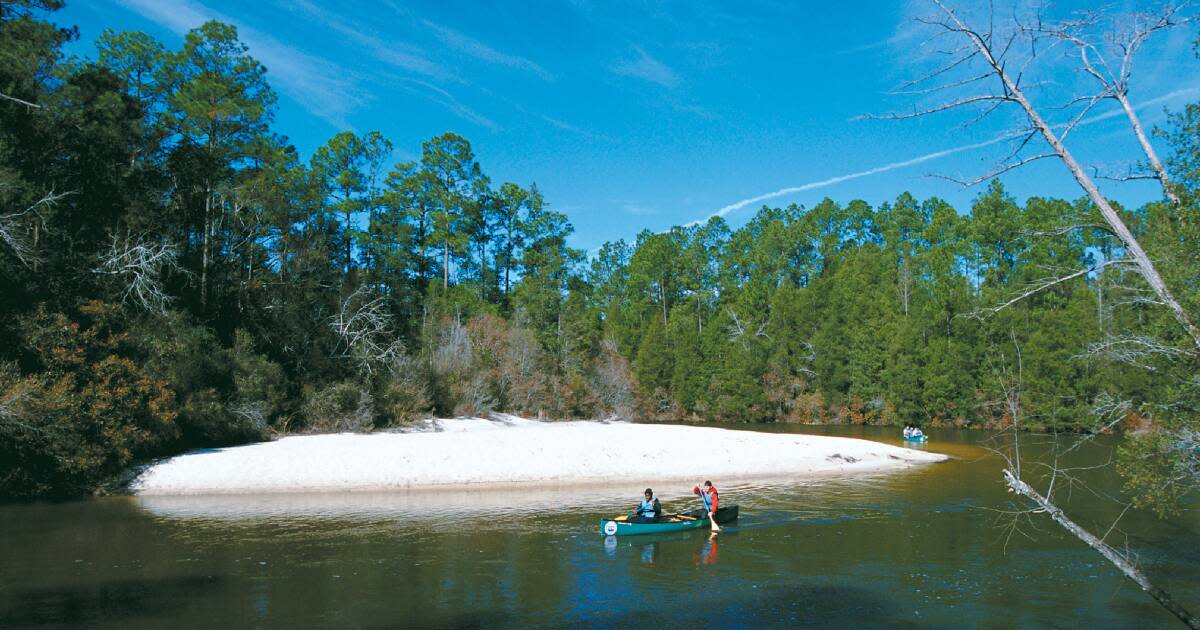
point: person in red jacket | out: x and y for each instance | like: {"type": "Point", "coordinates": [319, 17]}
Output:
{"type": "Point", "coordinates": [708, 494]}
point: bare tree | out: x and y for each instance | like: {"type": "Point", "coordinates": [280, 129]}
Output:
{"type": "Point", "coordinates": [904, 283]}
{"type": "Point", "coordinates": [19, 230]}
{"type": "Point", "coordinates": [738, 331]}
{"type": "Point", "coordinates": [1124, 34]}
{"type": "Point", "coordinates": [365, 332]}
{"type": "Point", "coordinates": [139, 265]}
{"type": "Point", "coordinates": [454, 352]}
{"type": "Point", "coordinates": [988, 60]}
{"type": "Point", "coordinates": [991, 64]}
{"type": "Point", "coordinates": [613, 382]}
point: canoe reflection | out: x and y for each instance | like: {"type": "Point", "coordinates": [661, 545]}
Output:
{"type": "Point", "coordinates": [649, 547]}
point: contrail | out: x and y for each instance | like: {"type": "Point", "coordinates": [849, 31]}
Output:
{"type": "Point", "coordinates": [842, 178]}
{"type": "Point", "coordinates": [738, 205]}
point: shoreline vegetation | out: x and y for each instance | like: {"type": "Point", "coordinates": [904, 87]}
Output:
{"type": "Point", "coordinates": [509, 451]}
{"type": "Point", "coordinates": [177, 276]}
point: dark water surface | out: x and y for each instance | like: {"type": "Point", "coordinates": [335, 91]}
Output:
{"type": "Point", "coordinates": [928, 547]}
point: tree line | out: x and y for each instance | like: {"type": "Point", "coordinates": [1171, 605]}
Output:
{"type": "Point", "coordinates": [175, 275]}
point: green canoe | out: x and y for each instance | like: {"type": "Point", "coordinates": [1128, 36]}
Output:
{"type": "Point", "coordinates": [670, 523]}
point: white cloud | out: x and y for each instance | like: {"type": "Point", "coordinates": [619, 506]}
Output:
{"type": "Point", "coordinates": [179, 16]}
{"type": "Point", "coordinates": [637, 209]}
{"type": "Point", "coordinates": [448, 101]}
{"type": "Point", "coordinates": [647, 68]}
{"type": "Point", "coordinates": [483, 52]}
{"type": "Point", "coordinates": [320, 86]}
{"type": "Point", "coordinates": [1174, 96]}
{"type": "Point", "coordinates": [392, 52]}
{"type": "Point", "coordinates": [565, 126]}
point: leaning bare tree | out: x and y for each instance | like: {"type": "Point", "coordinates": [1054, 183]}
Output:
{"type": "Point", "coordinates": [989, 59]}
{"type": "Point", "coordinates": [990, 68]}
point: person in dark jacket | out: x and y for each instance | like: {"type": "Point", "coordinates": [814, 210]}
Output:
{"type": "Point", "coordinates": [649, 509]}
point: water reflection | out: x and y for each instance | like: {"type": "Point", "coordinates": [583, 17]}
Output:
{"type": "Point", "coordinates": [411, 505]}
{"type": "Point", "coordinates": [918, 548]}
{"type": "Point", "coordinates": [650, 552]}
{"type": "Point", "coordinates": [649, 548]}
{"type": "Point", "coordinates": [708, 551]}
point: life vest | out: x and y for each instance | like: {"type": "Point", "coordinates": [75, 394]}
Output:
{"type": "Point", "coordinates": [647, 507]}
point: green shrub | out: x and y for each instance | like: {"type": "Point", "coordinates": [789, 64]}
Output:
{"type": "Point", "coordinates": [84, 413]}
{"type": "Point", "coordinates": [344, 406]}
{"type": "Point", "coordinates": [260, 385]}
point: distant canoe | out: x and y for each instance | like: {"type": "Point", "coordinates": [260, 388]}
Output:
{"type": "Point", "coordinates": [918, 439]}
{"type": "Point", "coordinates": [671, 523]}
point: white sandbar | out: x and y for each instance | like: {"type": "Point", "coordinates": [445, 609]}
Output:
{"type": "Point", "coordinates": [474, 452]}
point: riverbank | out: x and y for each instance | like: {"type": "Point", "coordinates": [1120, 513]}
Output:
{"type": "Point", "coordinates": [473, 452]}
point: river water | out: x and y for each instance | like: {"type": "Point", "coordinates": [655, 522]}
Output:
{"type": "Point", "coordinates": [928, 547]}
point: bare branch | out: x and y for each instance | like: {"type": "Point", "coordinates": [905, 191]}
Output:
{"type": "Point", "coordinates": [939, 88]}
{"type": "Point", "coordinates": [1059, 231]}
{"type": "Point", "coordinates": [364, 329]}
{"type": "Point", "coordinates": [987, 111]}
{"type": "Point", "coordinates": [1121, 561]}
{"type": "Point", "coordinates": [140, 265]}
{"type": "Point", "coordinates": [19, 101]}
{"type": "Point", "coordinates": [1135, 350]}
{"type": "Point", "coordinates": [1046, 284]}
{"type": "Point", "coordinates": [736, 329]}
{"type": "Point", "coordinates": [1125, 178]}
{"type": "Point", "coordinates": [1000, 171]}
{"type": "Point", "coordinates": [940, 71]}
{"type": "Point", "coordinates": [984, 98]}
{"type": "Point", "coordinates": [1092, 101]}
{"type": "Point", "coordinates": [17, 236]}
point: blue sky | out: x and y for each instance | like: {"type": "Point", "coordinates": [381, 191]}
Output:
{"type": "Point", "coordinates": [632, 115]}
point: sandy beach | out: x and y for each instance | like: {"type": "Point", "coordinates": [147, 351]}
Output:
{"type": "Point", "coordinates": [507, 451]}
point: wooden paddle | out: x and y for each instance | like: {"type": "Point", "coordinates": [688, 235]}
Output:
{"type": "Point", "coordinates": [712, 514]}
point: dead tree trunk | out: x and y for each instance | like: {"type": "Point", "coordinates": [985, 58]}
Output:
{"type": "Point", "coordinates": [208, 202]}
{"type": "Point", "coordinates": [993, 53]}
{"type": "Point", "coordinates": [1119, 560]}
{"type": "Point", "coordinates": [1156, 165]}
{"type": "Point", "coordinates": [1115, 85]}
{"type": "Point", "coordinates": [1134, 249]}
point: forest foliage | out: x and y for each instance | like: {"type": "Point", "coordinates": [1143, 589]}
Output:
{"type": "Point", "coordinates": [175, 275]}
